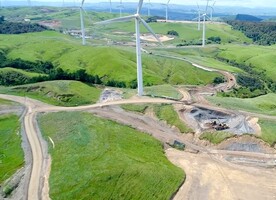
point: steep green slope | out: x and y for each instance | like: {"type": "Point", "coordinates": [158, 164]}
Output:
{"type": "Point", "coordinates": [96, 158]}
{"type": "Point", "coordinates": [259, 57]}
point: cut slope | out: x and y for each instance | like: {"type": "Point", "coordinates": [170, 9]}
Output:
{"type": "Point", "coordinates": [62, 93]}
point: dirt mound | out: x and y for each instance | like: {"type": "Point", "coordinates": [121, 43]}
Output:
{"type": "Point", "coordinates": [110, 95]}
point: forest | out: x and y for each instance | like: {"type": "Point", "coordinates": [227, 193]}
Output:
{"type": "Point", "coordinates": [7, 27]}
{"type": "Point", "coordinates": [262, 33]}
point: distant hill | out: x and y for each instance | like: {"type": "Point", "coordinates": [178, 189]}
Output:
{"type": "Point", "coordinates": [248, 18]}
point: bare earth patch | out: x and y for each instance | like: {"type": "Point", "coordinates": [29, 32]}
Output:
{"type": "Point", "coordinates": [150, 38]}
{"type": "Point", "coordinates": [210, 178]}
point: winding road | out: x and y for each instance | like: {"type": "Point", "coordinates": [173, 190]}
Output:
{"type": "Point", "coordinates": [33, 107]}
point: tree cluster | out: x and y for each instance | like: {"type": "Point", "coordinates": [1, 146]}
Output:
{"type": "Point", "coordinates": [262, 33]}
{"type": "Point", "coordinates": [254, 83]}
{"type": "Point", "coordinates": [19, 27]}
{"type": "Point", "coordinates": [152, 19]}
{"type": "Point", "coordinates": [214, 39]}
{"type": "Point", "coordinates": [173, 33]}
{"type": "Point", "coordinates": [48, 72]}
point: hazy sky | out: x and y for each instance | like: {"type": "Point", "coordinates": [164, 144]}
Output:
{"type": "Point", "coordinates": [246, 3]}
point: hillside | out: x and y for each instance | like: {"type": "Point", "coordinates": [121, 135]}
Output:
{"type": "Point", "coordinates": [109, 63]}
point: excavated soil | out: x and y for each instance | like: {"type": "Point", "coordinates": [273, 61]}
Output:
{"type": "Point", "coordinates": [203, 119]}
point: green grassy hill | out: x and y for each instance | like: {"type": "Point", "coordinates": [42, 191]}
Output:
{"type": "Point", "coordinates": [96, 158]}
{"type": "Point", "coordinates": [62, 93]}
{"type": "Point", "coordinates": [259, 57]}
{"type": "Point", "coordinates": [110, 63]}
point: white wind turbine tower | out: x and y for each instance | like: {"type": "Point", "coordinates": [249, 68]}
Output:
{"type": "Point", "coordinates": [121, 6]}
{"type": "Point", "coordinates": [204, 25]}
{"type": "Point", "coordinates": [82, 23]}
{"type": "Point", "coordinates": [110, 6]}
{"type": "Point", "coordinates": [137, 19]}
{"type": "Point", "coordinates": [167, 10]}
{"type": "Point", "coordinates": [29, 3]}
{"type": "Point", "coordinates": [203, 16]}
{"type": "Point", "coordinates": [149, 5]}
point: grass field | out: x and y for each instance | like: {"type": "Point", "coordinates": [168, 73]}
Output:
{"type": "Point", "coordinates": [139, 108]}
{"type": "Point", "coordinates": [163, 112]}
{"type": "Point", "coordinates": [96, 158]}
{"type": "Point", "coordinates": [202, 56]}
{"type": "Point", "coordinates": [268, 131]}
{"type": "Point", "coordinates": [5, 102]}
{"type": "Point", "coordinates": [163, 91]}
{"type": "Point", "coordinates": [215, 137]}
{"type": "Point", "coordinates": [11, 153]}
{"type": "Point", "coordinates": [28, 74]}
{"type": "Point", "coordinates": [186, 31]}
{"type": "Point", "coordinates": [62, 93]}
{"type": "Point", "coordinates": [168, 114]}
{"type": "Point", "coordinates": [265, 104]}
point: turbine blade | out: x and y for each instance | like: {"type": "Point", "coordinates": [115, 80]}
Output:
{"type": "Point", "coordinates": [139, 8]}
{"type": "Point", "coordinates": [207, 5]}
{"type": "Point", "coordinates": [168, 2]}
{"type": "Point", "coordinates": [82, 3]}
{"type": "Point", "coordinates": [120, 19]}
{"type": "Point", "coordinates": [86, 13]}
{"type": "Point", "coordinates": [150, 29]}
{"type": "Point", "coordinates": [214, 3]}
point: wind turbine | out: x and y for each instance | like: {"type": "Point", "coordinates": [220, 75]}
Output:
{"type": "Point", "coordinates": [198, 23]}
{"type": "Point", "coordinates": [204, 24]}
{"type": "Point", "coordinates": [137, 19]}
{"type": "Point", "coordinates": [121, 6]}
{"type": "Point", "coordinates": [110, 6]}
{"type": "Point", "coordinates": [149, 5]}
{"type": "Point", "coordinates": [167, 10]}
{"type": "Point", "coordinates": [82, 23]}
{"type": "Point", "coordinates": [212, 10]}
{"type": "Point", "coordinates": [203, 16]}
{"type": "Point", "coordinates": [29, 3]}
